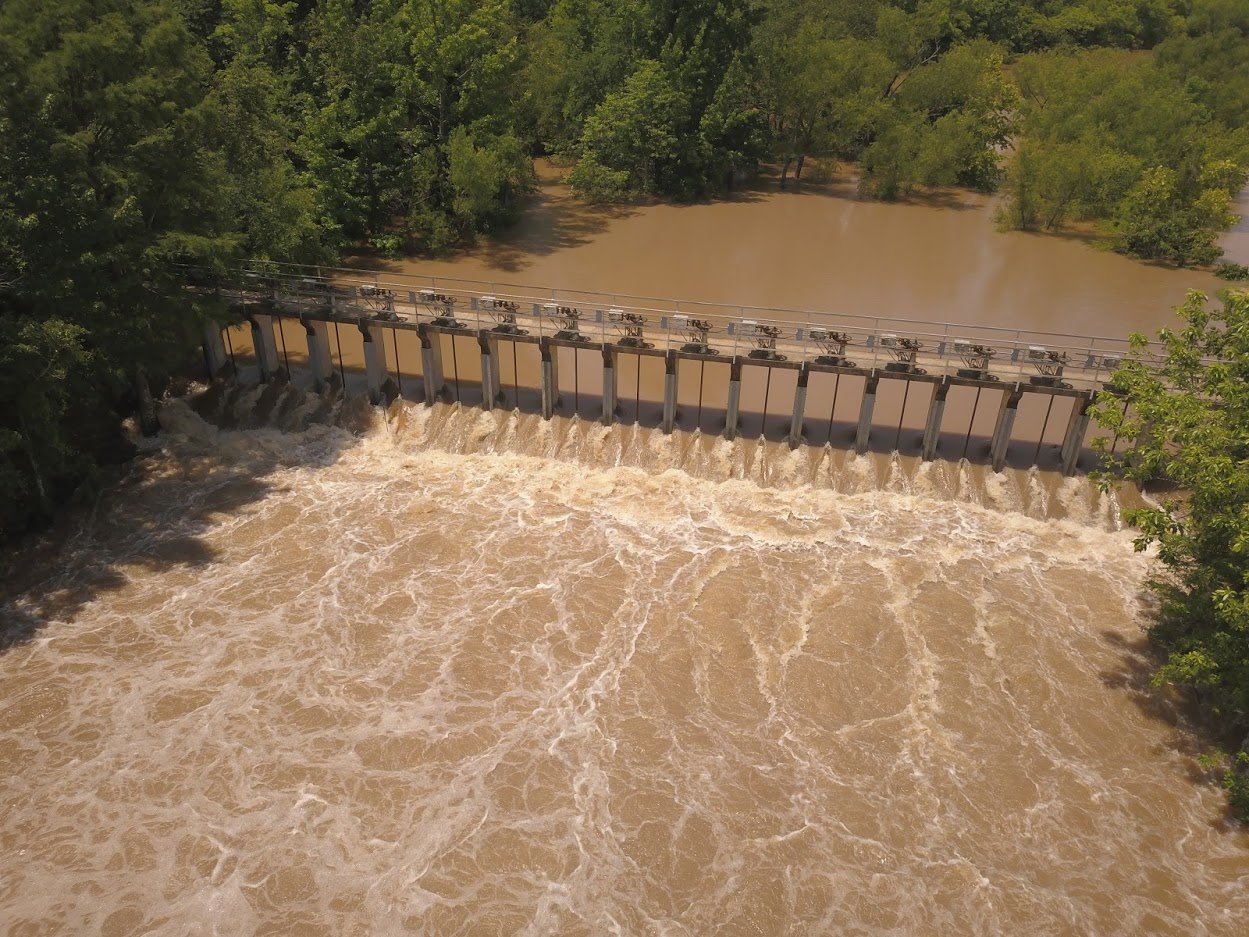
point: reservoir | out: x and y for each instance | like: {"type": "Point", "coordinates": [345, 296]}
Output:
{"type": "Point", "coordinates": [939, 259]}
{"type": "Point", "coordinates": [444, 671]}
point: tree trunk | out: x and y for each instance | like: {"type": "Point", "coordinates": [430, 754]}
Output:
{"type": "Point", "coordinates": [785, 169]}
{"type": "Point", "coordinates": [44, 501]}
{"type": "Point", "coordinates": [149, 425]}
{"type": "Point", "coordinates": [802, 158]}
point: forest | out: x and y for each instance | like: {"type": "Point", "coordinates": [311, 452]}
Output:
{"type": "Point", "coordinates": [141, 134]}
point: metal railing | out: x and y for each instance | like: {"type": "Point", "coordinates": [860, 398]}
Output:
{"type": "Point", "coordinates": [890, 343]}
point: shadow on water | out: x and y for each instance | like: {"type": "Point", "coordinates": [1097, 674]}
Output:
{"type": "Point", "coordinates": [1191, 733]}
{"type": "Point", "coordinates": [550, 220]}
{"type": "Point", "coordinates": [157, 517]}
{"type": "Point", "coordinates": [844, 187]}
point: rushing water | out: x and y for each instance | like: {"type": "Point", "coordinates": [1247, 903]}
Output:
{"type": "Point", "coordinates": [473, 673]}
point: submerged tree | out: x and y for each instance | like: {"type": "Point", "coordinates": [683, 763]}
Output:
{"type": "Point", "coordinates": [1190, 415]}
{"type": "Point", "coordinates": [1114, 140]}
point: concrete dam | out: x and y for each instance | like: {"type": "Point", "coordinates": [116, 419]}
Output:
{"type": "Point", "coordinates": [869, 383]}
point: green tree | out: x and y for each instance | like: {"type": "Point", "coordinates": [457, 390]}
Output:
{"type": "Point", "coordinates": [1111, 138]}
{"type": "Point", "coordinates": [946, 124]}
{"type": "Point", "coordinates": [578, 55]}
{"type": "Point", "coordinates": [1161, 218]}
{"type": "Point", "coordinates": [703, 121]}
{"type": "Point", "coordinates": [821, 93]}
{"type": "Point", "coordinates": [1210, 58]}
{"type": "Point", "coordinates": [634, 135]}
{"type": "Point", "coordinates": [108, 179]}
{"type": "Point", "coordinates": [1189, 412]}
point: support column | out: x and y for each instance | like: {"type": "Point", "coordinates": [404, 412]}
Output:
{"type": "Point", "coordinates": [431, 363]}
{"type": "Point", "coordinates": [214, 349]}
{"type": "Point", "coordinates": [609, 385]}
{"type": "Point", "coordinates": [932, 429]}
{"type": "Point", "coordinates": [1002, 430]}
{"type": "Point", "coordinates": [555, 375]}
{"type": "Point", "coordinates": [319, 357]}
{"type": "Point", "coordinates": [1077, 426]}
{"type": "Point", "coordinates": [865, 413]}
{"type": "Point", "coordinates": [670, 390]}
{"type": "Point", "coordinates": [265, 344]}
{"type": "Point", "coordinates": [800, 406]}
{"type": "Point", "coordinates": [550, 386]}
{"type": "Point", "coordinates": [491, 383]}
{"type": "Point", "coordinates": [735, 398]}
{"type": "Point", "coordinates": [374, 360]}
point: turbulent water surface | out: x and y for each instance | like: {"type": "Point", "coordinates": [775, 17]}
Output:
{"type": "Point", "coordinates": [466, 673]}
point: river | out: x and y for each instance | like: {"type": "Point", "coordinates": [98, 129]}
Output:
{"type": "Point", "coordinates": [823, 248]}
{"type": "Point", "coordinates": [451, 672]}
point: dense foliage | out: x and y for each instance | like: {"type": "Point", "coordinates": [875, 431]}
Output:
{"type": "Point", "coordinates": [108, 174]}
{"type": "Point", "coordinates": [1191, 414]}
{"type": "Point", "coordinates": [1153, 148]}
{"type": "Point", "coordinates": [139, 133]}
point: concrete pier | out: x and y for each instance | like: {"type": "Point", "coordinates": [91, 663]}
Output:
{"type": "Point", "coordinates": [932, 428]}
{"type": "Point", "coordinates": [491, 384]}
{"type": "Point", "coordinates": [1077, 426]}
{"type": "Point", "coordinates": [320, 360]}
{"type": "Point", "coordinates": [375, 370]}
{"type": "Point", "coordinates": [495, 339]}
{"type": "Point", "coordinates": [735, 399]}
{"type": "Point", "coordinates": [266, 345]}
{"type": "Point", "coordinates": [865, 414]}
{"type": "Point", "coordinates": [609, 385]}
{"type": "Point", "coordinates": [215, 358]}
{"type": "Point", "coordinates": [1002, 429]}
{"type": "Point", "coordinates": [431, 363]}
{"type": "Point", "coordinates": [550, 379]}
{"type": "Point", "coordinates": [670, 391]}
{"type": "Point", "coordinates": [800, 406]}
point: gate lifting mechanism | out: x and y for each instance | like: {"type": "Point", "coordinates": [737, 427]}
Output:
{"type": "Point", "coordinates": [1049, 364]}
{"type": "Point", "coordinates": [380, 300]}
{"type": "Point", "coordinates": [976, 357]}
{"type": "Point", "coordinates": [630, 326]}
{"type": "Point", "coordinates": [504, 313]}
{"type": "Point", "coordinates": [695, 332]}
{"type": "Point", "coordinates": [833, 344]}
{"type": "Point", "coordinates": [764, 337]}
{"type": "Point", "coordinates": [569, 319]}
{"type": "Point", "coordinates": [441, 306]}
{"type": "Point", "coordinates": [905, 350]}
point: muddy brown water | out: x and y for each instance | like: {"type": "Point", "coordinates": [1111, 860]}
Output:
{"type": "Point", "coordinates": [938, 259]}
{"type": "Point", "coordinates": [451, 672]}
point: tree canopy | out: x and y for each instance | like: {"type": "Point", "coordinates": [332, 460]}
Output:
{"type": "Point", "coordinates": [1189, 413]}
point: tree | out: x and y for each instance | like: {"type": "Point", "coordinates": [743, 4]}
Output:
{"type": "Point", "coordinates": [681, 120]}
{"type": "Point", "coordinates": [108, 179]}
{"type": "Point", "coordinates": [635, 132]}
{"type": "Point", "coordinates": [1160, 217]}
{"type": "Point", "coordinates": [1113, 139]}
{"type": "Point", "coordinates": [946, 124]}
{"type": "Point", "coordinates": [822, 93]}
{"type": "Point", "coordinates": [1189, 412]}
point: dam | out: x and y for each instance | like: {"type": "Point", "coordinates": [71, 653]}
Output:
{"type": "Point", "coordinates": [867, 383]}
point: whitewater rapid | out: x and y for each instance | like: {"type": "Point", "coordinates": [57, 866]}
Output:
{"type": "Point", "coordinates": [439, 671]}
